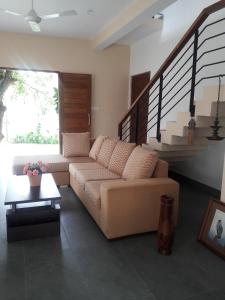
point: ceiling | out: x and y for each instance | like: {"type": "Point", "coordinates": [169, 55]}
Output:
{"type": "Point", "coordinates": [112, 21]}
{"type": "Point", "coordinates": [80, 26]}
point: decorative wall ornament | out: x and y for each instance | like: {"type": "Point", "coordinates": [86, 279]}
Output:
{"type": "Point", "coordinates": [216, 124]}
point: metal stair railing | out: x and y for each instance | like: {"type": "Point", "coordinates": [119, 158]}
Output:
{"type": "Point", "coordinates": [178, 77]}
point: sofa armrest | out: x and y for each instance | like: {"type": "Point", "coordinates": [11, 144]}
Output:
{"type": "Point", "coordinates": [133, 206]}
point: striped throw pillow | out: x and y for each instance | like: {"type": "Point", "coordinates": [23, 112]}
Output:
{"type": "Point", "coordinates": [95, 149]}
{"type": "Point", "coordinates": [140, 164]}
{"type": "Point", "coordinates": [106, 151]}
{"type": "Point", "coordinates": [76, 144]}
{"type": "Point", "coordinates": [120, 155]}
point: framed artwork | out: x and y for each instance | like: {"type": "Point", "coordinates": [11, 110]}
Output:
{"type": "Point", "coordinates": [212, 232]}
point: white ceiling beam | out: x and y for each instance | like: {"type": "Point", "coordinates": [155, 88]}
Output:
{"type": "Point", "coordinates": [129, 19]}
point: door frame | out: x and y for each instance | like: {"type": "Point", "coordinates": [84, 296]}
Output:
{"type": "Point", "coordinates": [142, 116]}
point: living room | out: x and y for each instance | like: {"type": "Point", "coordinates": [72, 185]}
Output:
{"type": "Point", "coordinates": [112, 251]}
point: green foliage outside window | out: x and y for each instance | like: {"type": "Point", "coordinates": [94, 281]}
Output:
{"type": "Point", "coordinates": [36, 138]}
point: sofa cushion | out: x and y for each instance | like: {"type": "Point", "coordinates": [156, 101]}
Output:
{"type": "Point", "coordinates": [106, 151]}
{"type": "Point", "coordinates": [76, 144]}
{"type": "Point", "coordinates": [120, 156]}
{"type": "Point", "coordinates": [95, 149]}
{"type": "Point", "coordinates": [55, 162]}
{"type": "Point", "coordinates": [74, 167]}
{"type": "Point", "coordinates": [92, 191]}
{"type": "Point", "coordinates": [140, 164]}
{"type": "Point", "coordinates": [82, 176]}
{"type": "Point", "coordinates": [79, 159]}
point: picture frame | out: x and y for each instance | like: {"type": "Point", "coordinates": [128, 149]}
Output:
{"type": "Point", "coordinates": [212, 231]}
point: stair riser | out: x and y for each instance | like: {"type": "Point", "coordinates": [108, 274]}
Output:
{"type": "Point", "coordinates": [211, 93]}
{"type": "Point", "coordinates": [177, 153]}
{"type": "Point", "coordinates": [176, 140]}
{"type": "Point", "coordinates": [154, 144]}
{"type": "Point", "coordinates": [205, 108]}
{"type": "Point", "coordinates": [201, 121]}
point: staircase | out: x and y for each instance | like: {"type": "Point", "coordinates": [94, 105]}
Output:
{"type": "Point", "coordinates": [175, 86]}
{"type": "Point", "coordinates": [174, 143]}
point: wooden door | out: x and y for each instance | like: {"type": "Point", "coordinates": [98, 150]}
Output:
{"type": "Point", "coordinates": [75, 103]}
{"type": "Point", "coordinates": [138, 83]}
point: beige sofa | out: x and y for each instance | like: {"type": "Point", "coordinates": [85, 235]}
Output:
{"type": "Point", "coordinates": [118, 205]}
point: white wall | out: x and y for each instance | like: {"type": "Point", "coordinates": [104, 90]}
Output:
{"type": "Point", "coordinates": [150, 52]}
{"type": "Point", "coordinates": [109, 69]}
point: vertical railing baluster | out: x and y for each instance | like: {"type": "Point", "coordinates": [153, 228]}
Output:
{"type": "Point", "coordinates": [137, 124]}
{"type": "Point", "coordinates": [194, 65]}
{"type": "Point", "coordinates": [158, 133]}
{"type": "Point", "coordinates": [120, 131]}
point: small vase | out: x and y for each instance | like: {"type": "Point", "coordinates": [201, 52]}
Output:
{"type": "Point", "coordinates": [35, 180]}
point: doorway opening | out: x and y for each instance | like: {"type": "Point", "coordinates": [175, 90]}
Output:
{"type": "Point", "coordinates": [31, 119]}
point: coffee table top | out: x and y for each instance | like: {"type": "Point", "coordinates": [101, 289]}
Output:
{"type": "Point", "coordinates": [19, 190]}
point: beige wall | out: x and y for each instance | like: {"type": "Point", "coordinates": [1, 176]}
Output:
{"type": "Point", "coordinates": [109, 69]}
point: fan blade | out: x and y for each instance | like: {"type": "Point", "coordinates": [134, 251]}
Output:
{"type": "Point", "coordinates": [6, 11]}
{"type": "Point", "coordinates": [66, 13]}
{"type": "Point", "coordinates": [34, 26]}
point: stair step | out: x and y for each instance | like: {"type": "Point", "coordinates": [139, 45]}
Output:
{"type": "Point", "coordinates": [183, 119]}
{"type": "Point", "coordinates": [154, 144]}
{"type": "Point", "coordinates": [175, 160]}
{"type": "Point", "coordinates": [175, 129]}
{"type": "Point", "coordinates": [208, 108]}
{"type": "Point", "coordinates": [177, 140]}
{"type": "Point", "coordinates": [175, 154]}
{"type": "Point", "coordinates": [210, 92]}
{"type": "Point", "coordinates": [183, 131]}
{"type": "Point", "coordinates": [204, 121]}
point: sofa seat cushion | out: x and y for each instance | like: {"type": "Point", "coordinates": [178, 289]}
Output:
{"type": "Point", "coordinates": [92, 191]}
{"type": "Point", "coordinates": [119, 157]}
{"type": "Point", "coordinates": [74, 167]}
{"type": "Point", "coordinates": [82, 176]}
{"type": "Point", "coordinates": [55, 162]}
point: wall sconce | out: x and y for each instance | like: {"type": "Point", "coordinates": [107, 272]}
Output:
{"type": "Point", "coordinates": [216, 127]}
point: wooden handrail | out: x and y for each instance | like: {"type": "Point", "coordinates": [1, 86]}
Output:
{"type": "Point", "coordinates": [180, 45]}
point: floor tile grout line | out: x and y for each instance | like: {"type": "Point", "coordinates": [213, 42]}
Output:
{"type": "Point", "coordinates": [25, 273]}
{"type": "Point", "coordinates": [66, 235]}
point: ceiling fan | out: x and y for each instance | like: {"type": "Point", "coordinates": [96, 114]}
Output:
{"type": "Point", "coordinates": [34, 19]}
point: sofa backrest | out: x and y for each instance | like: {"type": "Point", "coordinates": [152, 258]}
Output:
{"type": "Point", "coordinates": [161, 169]}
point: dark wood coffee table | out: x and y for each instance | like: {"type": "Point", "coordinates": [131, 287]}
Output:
{"type": "Point", "coordinates": [35, 211]}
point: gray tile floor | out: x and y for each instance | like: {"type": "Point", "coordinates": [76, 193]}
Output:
{"type": "Point", "coordinates": [82, 264]}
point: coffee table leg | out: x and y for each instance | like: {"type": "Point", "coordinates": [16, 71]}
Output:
{"type": "Point", "coordinates": [14, 207]}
